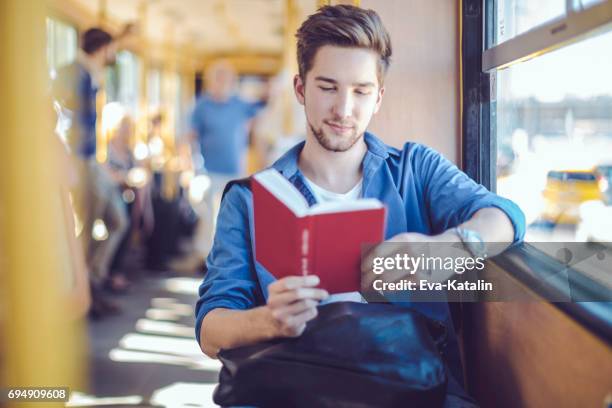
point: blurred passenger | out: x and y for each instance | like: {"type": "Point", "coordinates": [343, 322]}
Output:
{"type": "Point", "coordinates": [118, 165]}
{"type": "Point", "coordinates": [273, 133]}
{"type": "Point", "coordinates": [219, 122]}
{"type": "Point", "coordinates": [75, 89]}
{"type": "Point", "coordinates": [79, 296]}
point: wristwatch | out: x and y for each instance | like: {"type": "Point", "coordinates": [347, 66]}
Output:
{"type": "Point", "coordinates": [472, 241]}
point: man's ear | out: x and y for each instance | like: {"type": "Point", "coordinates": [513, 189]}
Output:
{"type": "Point", "coordinates": [298, 88]}
{"type": "Point", "coordinates": [379, 98]}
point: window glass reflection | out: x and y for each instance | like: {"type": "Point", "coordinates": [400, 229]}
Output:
{"type": "Point", "coordinates": [554, 136]}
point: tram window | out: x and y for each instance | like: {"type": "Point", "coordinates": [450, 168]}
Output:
{"type": "Point", "coordinates": [551, 119]}
{"type": "Point", "coordinates": [62, 44]}
{"type": "Point", "coordinates": [554, 117]}
{"type": "Point", "coordinates": [111, 84]}
{"type": "Point", "coordinates": [180, 121]}
{"type": "Point", "coordinates": [589, 3]}
{"type": "Point", "coordinates": [128, 65]}
{"type": "Point", "coordinates": [154, 88]}
{"type": "Point", "coordinates": [515, 17]}
{"type": "Point", "coordinates": [121, 83]}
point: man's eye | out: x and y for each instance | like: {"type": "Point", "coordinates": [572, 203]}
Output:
{"type": "Point", "coordinates": [326, 89]}
{"type": "Point", "coordinates": [360, 92]}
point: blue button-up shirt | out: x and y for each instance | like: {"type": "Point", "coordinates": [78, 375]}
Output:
{"type": "Point", "coordinates": [423, 192]}
{"type": "Point", "coordinates": [75, 90]}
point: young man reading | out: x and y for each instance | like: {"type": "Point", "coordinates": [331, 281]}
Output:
{"type": "Point", "coordinates": [343, 54]}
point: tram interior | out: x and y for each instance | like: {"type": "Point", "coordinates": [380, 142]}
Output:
{"type": "Point", "coordinates": [115, 322]}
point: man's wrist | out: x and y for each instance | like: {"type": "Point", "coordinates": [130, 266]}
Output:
{"type": "Point", "coordinates": [472, 241]}
{"type": "Point", "coordinates": [450, 235]}
{"type": "Point", "coordinates": [271, 326]}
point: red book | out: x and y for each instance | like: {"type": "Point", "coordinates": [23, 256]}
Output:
{"type": "Point", "coordinates": [324, 240]}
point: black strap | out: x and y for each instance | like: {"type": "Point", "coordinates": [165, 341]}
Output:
{"type": "Point", "coordinates": [245, 182]}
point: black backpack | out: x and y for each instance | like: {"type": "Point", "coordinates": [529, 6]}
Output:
{"type": "Point", "coordinates": [351, 355]}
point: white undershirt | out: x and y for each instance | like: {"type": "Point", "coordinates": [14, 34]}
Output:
{"type": "Point", "coordinates": [323, 196]}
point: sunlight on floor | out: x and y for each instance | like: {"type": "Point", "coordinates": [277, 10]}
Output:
{"type": "Point", "coordinates": [180, 395]}
{"type": "Point", "coordinates": [187, 286]}
{"type": "Point", "coordinates": [147, 326]}
{"type": "Point", "coordinates": [162, 314]}
{"type": "Point", "coordinates": [78, 399]}
{"type": "Point", "coordinates": [128, 356]}
{"type": "Point", "coordinates": [160, 341]}
{"type": "Point", "coordinates": [161, 344]}
{"type": "Point", "coordinates": [163, 336]}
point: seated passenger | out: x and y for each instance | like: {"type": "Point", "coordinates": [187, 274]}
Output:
{"type": "Point", "coordinates": [343, 54]}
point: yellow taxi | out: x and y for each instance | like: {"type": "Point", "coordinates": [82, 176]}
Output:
{"type": "Point", "coordinates": [565, 191]}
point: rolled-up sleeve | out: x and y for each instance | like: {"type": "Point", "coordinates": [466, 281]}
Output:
{"type": "Point", "coordinates": [452, 197]}
{"type": "Point", "coordinates": [230, 281]}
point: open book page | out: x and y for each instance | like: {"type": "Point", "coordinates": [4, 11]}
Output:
{"type": "Point", "coordinates": [344, 206]}
{"type": "Point", "coordinates": [282, 189]}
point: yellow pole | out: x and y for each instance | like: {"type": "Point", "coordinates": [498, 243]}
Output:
{"type": "Point", "coordinates": [290, 64]}
{"type": "Point", "coordinates": [36, 338]}
{"type": "Point", "coordinates": [321, 3]}
{"type": "Point", "coordinates": [169, 185]}
{"type": "Point", "coordinates": [189, 52]}
{"type": "Point", "coordinates": [101, 137]}
{"type": "Point", "coordinates": [168, 90]}
{"type": "Point", "coordinates": [142, 125]}
{"type": "Point", "coordinates": [102, 12]}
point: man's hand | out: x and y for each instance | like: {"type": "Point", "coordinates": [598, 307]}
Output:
{"type": "Point", "coordinates": [414, 242]}
{"type": "Point", "coordinates": [292, 302]}
{"type": "Point", "coordinates": [128, 30]}
{"type": "Point", "coordinates": [414, 245]}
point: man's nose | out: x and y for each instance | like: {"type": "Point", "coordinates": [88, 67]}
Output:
{"type": "Point", "coordinates": [343, 107]}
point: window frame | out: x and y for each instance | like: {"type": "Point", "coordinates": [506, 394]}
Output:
{"type": "Point", "coordinates": [480, 60]}
{"type": "Point", "coordinates": [59, 19]}
{"type": "Point", "coordinates": [577, 25]}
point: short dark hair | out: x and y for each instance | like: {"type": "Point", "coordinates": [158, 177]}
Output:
{"type": "Point", "coordinates": [94, 39]}
{"type": "Point", "coordinates": [344, 26]}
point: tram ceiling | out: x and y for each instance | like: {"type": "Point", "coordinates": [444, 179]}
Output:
{"type": "Point", "coordinates": [211, 27]}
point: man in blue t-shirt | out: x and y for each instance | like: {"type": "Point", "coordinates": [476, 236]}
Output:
{"type": "Point", "coordinates": [343, 55]}
{"type": "Point", "coordinates": [219, 123]}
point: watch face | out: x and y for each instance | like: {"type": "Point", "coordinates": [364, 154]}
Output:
{"type": "Point", "coordinates": [473, 241]}
{"type": "Point", "coordinates": [477, 248]}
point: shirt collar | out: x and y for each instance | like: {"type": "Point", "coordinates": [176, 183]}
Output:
{"type": "Point", "coordinates": [287, 165]}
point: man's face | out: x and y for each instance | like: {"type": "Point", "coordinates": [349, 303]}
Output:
{"type": "Point", "coordinates": [221, 80]}
{"type": "Point", "coordinates": [340, 95]}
